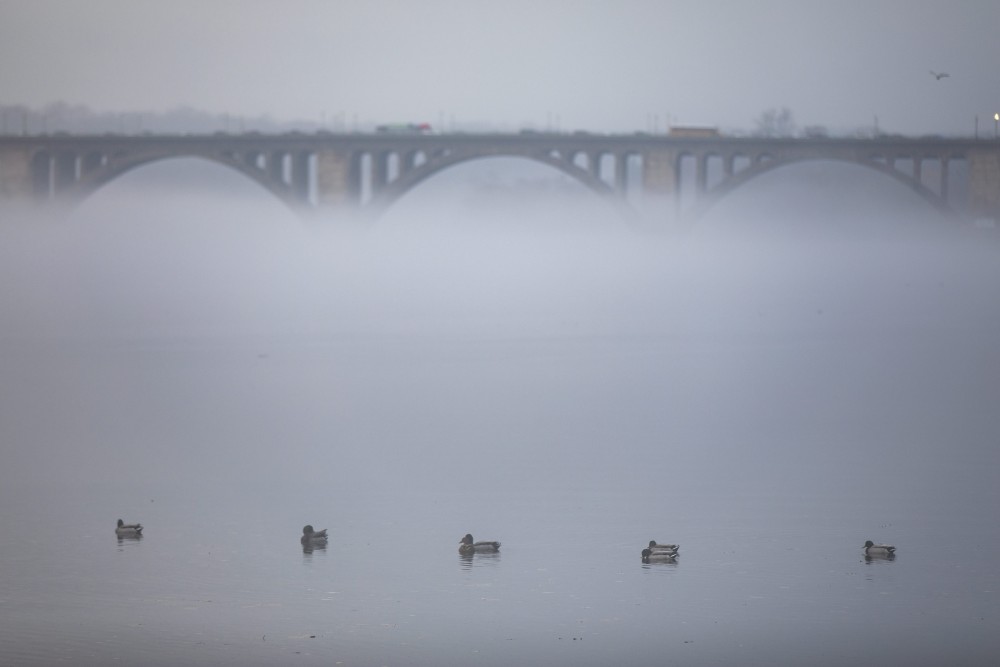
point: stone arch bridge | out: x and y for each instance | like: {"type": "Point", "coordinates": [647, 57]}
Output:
{"type": "Point", "coordinates": [319, 172]}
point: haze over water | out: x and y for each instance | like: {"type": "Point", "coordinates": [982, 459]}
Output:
{"type": "Point", "coordinates": [811, 365]}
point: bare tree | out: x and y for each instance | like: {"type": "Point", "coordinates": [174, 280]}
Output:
{"type": "Point", "coordinates": [776, 123]}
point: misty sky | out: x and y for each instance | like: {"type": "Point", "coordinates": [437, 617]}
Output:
{"type": "Point", "coordinates": [620, 65]}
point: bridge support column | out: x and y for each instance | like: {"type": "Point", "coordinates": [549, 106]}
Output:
{"type": "Point", "coordinates": [65, 165]}
{"type": "Point", "coordinates": [701, 177]}
{"type": "Point", "coordinates": [594, 165]}
{"type": "Point", "coordinates": [380, 172]}
{"type": "Point", "coordinates": [660, 187]}
{"type": "Point", "coordinates": [944, 178]}
{"type": "Point", "coordinates": [659, 175]}
{"type": "Point", "coordinates": [621, 174]}
{"type": "Point", "coordinates": [984, 183]}
{"type": "Point", "coordinates": [729, 165]}
{"type": "Point", "coordinates": [16, 175]}
{"type": "Point", "coordinates": [276, 166]}
{"type": "Point", "coordinates": [336, 184]}
{"type": "Point", "coordinates": [300, 176]}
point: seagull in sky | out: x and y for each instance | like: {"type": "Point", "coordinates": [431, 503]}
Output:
{"type": "Point", "coordinates": [939, 75]}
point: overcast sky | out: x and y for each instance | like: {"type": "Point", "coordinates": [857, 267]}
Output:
{"type": "Point", "coordinates": [619, 65]}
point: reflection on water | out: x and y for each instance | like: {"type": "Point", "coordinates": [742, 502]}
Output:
{"type": "Point", "coordinates": [206, 590]}
{"type": "Point", "coordinates": [486, 559]}
{"type": "Point", "coordinates": [651, 558]}
{"type": "Point", "coordinates": [872, 558]}
{"type": "Point", "coordinates": [309, 546]}
{"type": "Point", "coordinates": [657, 564]}
{"type": "Point", "coordinates": [309, 554]}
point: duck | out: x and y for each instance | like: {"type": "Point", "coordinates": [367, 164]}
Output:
{"type": "Point", "coordinates": [128, 529]}
{"type": "Point", "coordinates": [650, 556]}
{"type": "Point", "coordinates": [313, 537]}
{"type": "Point", "coordinates": [872, 549]}
{"type": "Point", "coordinates": [654, 547]}
{"type": "Point", "coordinates": [467, 546]}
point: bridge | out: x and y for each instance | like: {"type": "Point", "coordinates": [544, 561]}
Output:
{"type": "Point", "coordinates": [315, 173]}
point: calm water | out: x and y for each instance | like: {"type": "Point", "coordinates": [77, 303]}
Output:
{"type": "Point", "coordinates": [770, 568]}
{"type": "Point", "coordinates": [225, 378]}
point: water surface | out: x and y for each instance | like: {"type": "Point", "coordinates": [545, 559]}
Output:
{"type": "Point", "coordinates": [767, 394]}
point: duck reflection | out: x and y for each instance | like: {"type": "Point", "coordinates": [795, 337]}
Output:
{"type": "Point", "coordinates": [479, 559]}
{"type": "Point", "coordinates": [649, 556]}
{"type": "Point", "coordinates": [886, 556]}
{"type": "Point", "coordinates": [308, 547]}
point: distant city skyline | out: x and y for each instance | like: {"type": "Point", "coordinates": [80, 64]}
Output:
{"type": "Point", "coordinates": [63, 117]}
{"type": "Point", "coordinates": [633, 65]}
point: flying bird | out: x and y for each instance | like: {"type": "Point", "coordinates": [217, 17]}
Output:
{"type": "Point", "coordinates": [939, 75]}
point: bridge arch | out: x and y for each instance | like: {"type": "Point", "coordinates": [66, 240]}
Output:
{"type": "Point", "coordinates": [74, 178]}
{"type": "Point", "coordinates": [766, 163]}
{"type": "Point", "coordinates": [589, 176]}
{"type": "Point", "coordinates": [87, 188]}
{"type": "Point", "coordinates": [499, 187]}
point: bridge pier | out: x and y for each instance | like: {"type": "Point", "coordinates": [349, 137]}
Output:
{"type": "Point", "coordinates": [659, 175]}
{"type": "Point", "coordinates": [16, 174]}
{"type": "Point", "coordinates": [621, 174]}
{"type": "Point", "coordinates": [729, 165]}
{"type": "Point", "coordinates": [701, 175]}
{"type": "Point", "coordinates": [943, 186]}
{"type": "Point", "coordinates": [336, 179]}
{"type": "Point", "coordinates": [65, 170]}
{"type": "Point", "coordinates": [380, 171]}
{"type": "Point", "coordinates": [276, 166]}
{"type": "Point", "coordinates": [300, 176]}
{"type": "Point", "coordinates": [984, 184]}
{"type": "Point", "coordinates": [594, 164]}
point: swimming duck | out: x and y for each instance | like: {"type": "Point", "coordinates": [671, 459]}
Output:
{"type": "Point", "coordinates": [649, 556]}
{"type": "Point", "coordinates": [467, 546]}
{"type": "Point", "coordinates": [128, 529]}
{"type": "Point", "coordinates": [313, 537]}
{"type": "Point", "coordinates": [872, 549]}
{"type": "Point", "coordinates": [654, 547]}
